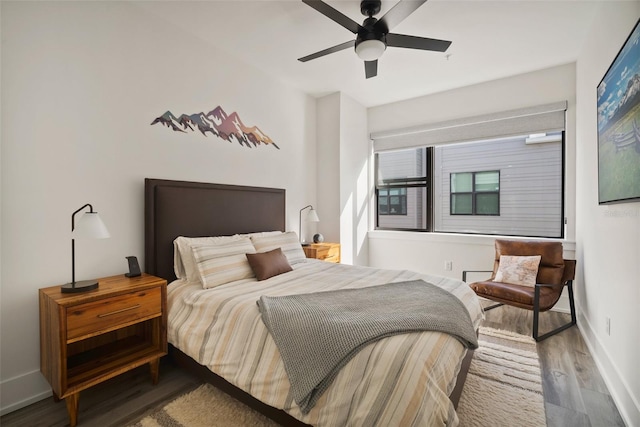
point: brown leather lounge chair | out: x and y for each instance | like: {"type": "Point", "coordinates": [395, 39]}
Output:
{"type": "Point", "coordinates": [554, 273]}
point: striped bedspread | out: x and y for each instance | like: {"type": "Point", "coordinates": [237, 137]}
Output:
{"type": "Point", "coordinates": [402, 380]}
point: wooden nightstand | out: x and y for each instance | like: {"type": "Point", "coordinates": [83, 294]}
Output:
{"type": "Point", "coordinates": [87, 338]}
{"type": "Point", "coordinates": [324, 251]}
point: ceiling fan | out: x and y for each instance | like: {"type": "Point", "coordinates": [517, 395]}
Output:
{"type": "Point", "coordinates": [373, 36]}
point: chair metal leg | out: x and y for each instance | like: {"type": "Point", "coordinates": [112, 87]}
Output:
{"type": "Point", "coordinates": [491, 307]}
{"type": "Point", "coordinates": [536, 313]}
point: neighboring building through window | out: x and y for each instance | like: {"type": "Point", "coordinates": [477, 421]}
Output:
{"type": "Point", "coordinates": [511, 186]}
{"type": "Point", "coordinates": [475, 193]}
{"type": "Point", "coordinates": [392, 201]}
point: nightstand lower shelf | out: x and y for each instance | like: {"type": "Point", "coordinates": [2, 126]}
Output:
{"type": "Point", "coordinates": [87, 369]}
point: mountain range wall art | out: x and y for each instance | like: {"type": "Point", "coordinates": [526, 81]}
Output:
{"type": "Point", "coordinates": [229, 127]}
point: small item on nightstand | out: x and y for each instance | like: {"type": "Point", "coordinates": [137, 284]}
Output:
{"type": "Point", "coordinates": [318, 238]}
{"type": "Point", "coordinates": [134, 268]}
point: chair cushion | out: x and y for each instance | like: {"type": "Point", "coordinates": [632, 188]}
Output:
{"type": "Point", "coordinates": [551, 268]}
{"type": "Point", "coordinates": [516, 295]}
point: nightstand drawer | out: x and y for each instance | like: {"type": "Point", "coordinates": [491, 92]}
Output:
{"type": "Point", "coordinates": [100, 316]}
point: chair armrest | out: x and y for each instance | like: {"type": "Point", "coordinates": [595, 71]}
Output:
{"type": "Point", "coordinates": [464, 273]}
{"type": "Point", "coordinates": [545, 285]}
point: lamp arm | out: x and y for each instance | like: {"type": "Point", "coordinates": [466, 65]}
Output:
{"type": "Point", "coordinates": [73, 216]}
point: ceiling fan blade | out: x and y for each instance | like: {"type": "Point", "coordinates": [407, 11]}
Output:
{"type": "Point", "coordinates": [337, 48]}
{"type": "Point", "coordinates": [334, 15]}
{"type": "Point", "coordinates": [371, 68]}
{"type": "Point", "coordinates": [413, 42]}
{"type": "Point", "coordinates": [398, 13]}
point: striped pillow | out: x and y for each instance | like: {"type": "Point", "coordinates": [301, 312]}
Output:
{"type": "Point", "coordinates": [224, 262]}
{"type": "Point", "coordinates": [184, 265]}
{"type": "Point", "coordinates": [288, 242]}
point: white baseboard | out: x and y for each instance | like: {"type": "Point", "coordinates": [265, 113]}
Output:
{"type": "Point", "coordinates": [23, 390]}
{"type": "Point", "coordinates": [563, 303]}
{"type": "Point", "coordinates": [627, 405]}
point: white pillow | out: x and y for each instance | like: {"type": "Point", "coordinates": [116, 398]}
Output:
{"type": "Point", "coordinates": [262, 233]}
{"type": "Point", "coordinates": [223, 262]}
{"type": "Point", "coordinates": [184, 265]}
{"type": "Point", "coordinates": [288, 242]}
{"type": "Point", "coordinates": [518, 270]}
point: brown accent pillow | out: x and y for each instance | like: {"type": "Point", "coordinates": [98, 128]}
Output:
{"type": "Point", "coordinates": [268, 264]}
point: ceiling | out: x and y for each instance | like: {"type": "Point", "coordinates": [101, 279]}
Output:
{"type": "Point", "coordinates": [491, 40]}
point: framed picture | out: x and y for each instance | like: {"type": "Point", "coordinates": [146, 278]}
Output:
{"type": "Point", "coordinates": [619, 125]}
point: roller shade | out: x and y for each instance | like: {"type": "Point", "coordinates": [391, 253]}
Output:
{"type": "Point", "coordinates": [542, 118]}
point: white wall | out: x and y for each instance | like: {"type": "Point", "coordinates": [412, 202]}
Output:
{"type": "Point", "coordinates": [429, 251]}
{"type": "Point", "coordinates": [355, 149]}
{"type": "Point", "coordinates": [608, 243]}
{"type": "Point", "coordinates": [343, 194]}
{"type": "Point", "coordinates": [81, 83]}
{"type": "Point", "coordinates": [328, 166]}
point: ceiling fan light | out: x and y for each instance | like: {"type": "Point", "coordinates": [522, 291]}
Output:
{"type": "Point", "coordinates": [370, 50]}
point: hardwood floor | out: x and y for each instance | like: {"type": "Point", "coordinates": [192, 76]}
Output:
{"type": "Point", "coordinates": [575, 394]}
{"type": "Point", "coordinates": [115, 403]}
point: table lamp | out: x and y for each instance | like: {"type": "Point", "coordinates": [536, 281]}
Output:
{"type": "Point", "coordinates": [89, 226]}
{"type": "Point", "coordinates": [312, 216]}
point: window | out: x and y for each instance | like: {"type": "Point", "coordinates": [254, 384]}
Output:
{"type": "Point", "coordinates": [392, 201]}
{"type": "Point", "coordinates": [401, 189]}
{"type": "Point", "coordinates": [499, 173]}
{"type": "Point", "coordinates": [510, 186]}
{"type": "Point", "coordinates": [475, 193]}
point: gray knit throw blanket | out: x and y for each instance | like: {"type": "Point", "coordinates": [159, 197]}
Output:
{"type": "Point", "coordinates": [318, 333]}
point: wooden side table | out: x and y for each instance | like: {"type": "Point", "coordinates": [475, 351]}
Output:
{"type": "Point", "coordinates": [329, 252]}
{"type": "Point", "coordinates": [87, 338]}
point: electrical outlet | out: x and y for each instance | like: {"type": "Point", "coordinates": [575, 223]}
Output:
{"type": "Point", "coordinates": [608, 320]}
{"type": "Point", "coordinates": [448, 265]}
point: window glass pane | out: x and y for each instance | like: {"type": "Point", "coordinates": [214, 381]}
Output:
{"type": "Point", "coordinates": [411, 213]}
{"type": "Point", "coordinates": [401, 182]}
{"type": "Point", "coordinates": [461, 182]}
{"type": "Point", "coordinates": [401, 164]}
{"type": "Point", "coordinates": [461, 204]}
{"type": "Point", "coordinates": [518, 187]}
{"type": "Point", "coordinates": [383, 206]}
{"type": "Point", "coordinates": [487, 181]}
{"type": "Point", "coordinates": [487, 204]}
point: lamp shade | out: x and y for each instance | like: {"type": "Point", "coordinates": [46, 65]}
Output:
{"type": "Point", "coordinates": [89, 225]}
{"type": "Point", "coordinates": [370, 50]}
{"type": "Point", "coordinates": [312, 216]}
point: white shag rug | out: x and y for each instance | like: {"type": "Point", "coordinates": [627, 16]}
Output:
{"type": "Point", "coordinates": [503, 388]}
{"type": "Point", "coordinates": [504, 383]}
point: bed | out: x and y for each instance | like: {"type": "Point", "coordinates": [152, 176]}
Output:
{"type": "Point", "coordinates": [407, 379]}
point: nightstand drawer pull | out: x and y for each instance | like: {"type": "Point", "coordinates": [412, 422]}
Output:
{"type": "Point", "coordinates": [118, 311]}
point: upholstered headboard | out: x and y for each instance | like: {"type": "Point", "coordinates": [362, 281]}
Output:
{"type": "Point", "coordinates": [193, 209]}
